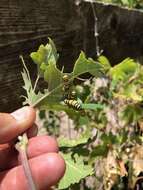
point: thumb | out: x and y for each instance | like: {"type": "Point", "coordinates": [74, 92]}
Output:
{"type": "Point", "coordinates": [11, 125]}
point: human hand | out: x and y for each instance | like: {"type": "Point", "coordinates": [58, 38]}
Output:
{"type": "Point", "coordinates": [46, 164]}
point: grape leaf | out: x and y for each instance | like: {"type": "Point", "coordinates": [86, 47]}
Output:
{"type": "Point", "coordinates": [84, 65]}
{"type": "Point", "coordinates": [65, 142]}
{"type": "Point", "coordinates": [75, 171]}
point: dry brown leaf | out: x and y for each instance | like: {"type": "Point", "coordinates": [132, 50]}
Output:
{"type": "Point", "coordinates": [141, 125]}
{"type": "Point", "coordinates": [137, 159]}
{"type": "Point", "coordinates": [111, 171]}
{"type": "Point", "coordinates": [123, 171]}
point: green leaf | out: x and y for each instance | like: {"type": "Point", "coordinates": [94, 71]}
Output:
{"type": "Point", "coordinates": [109, 138]}
{"type": "Point", "coordinates": [93, 106]}
{"type": "Point", "coordinates": [83, 139]}
{"type": "Point", "coordinates": [75, 171]}
{"type": "Point", "coordinates": [122, 137]}
{"type": "Point", "coordinates": [50, 99]}
{"type": "Point", "coordinates": [125, 2]}
{"type": "Point", "coordinates": [100, 150]}
{"type": "Point", "coordinates": [124, 70]}
{"type": "Point", "coordinates": [130, 92]}
{"type": "Point", "coordinates": [132, 113]}
{"type": "Point", "coordinates": [31, 97]}
{"type": "Point", "coordinates": [132, 3]}
{"type": "Point", "coordinates": [83, 120]}
{"type": "Point", "coordinates": [53, 76]}
{"type": "Point", "coordinates": [84, 65]}
{"type": "Point", "coordinates": [104, 62]}
{"type": "Point", "coordinates": [44, 55]}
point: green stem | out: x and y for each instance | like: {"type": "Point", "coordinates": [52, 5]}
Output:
{"type": "Point", "coordinates": [22, 149]}
{"type": "Point", "coordinates": [35, 85]}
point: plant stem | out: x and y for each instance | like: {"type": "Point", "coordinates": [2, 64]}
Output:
{"type": "Point", "coordinates": [35, 85]}
{"type": "Point", "coordinates": [23, 62]}
{"type": "Point", "coordinates": [96, 34]}
{"type": "Point", "coordinates": [21, 146]}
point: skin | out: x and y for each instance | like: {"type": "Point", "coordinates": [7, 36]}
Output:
{"type": "Point", "coordinates": [46, 164]}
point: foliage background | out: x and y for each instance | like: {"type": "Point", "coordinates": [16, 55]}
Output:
{"type": "Point", "coordinates": [103, 139]}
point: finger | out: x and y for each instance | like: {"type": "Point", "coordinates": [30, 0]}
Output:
{"type": "Point", "coordinates": [8, 156]}
{"type": "Point", "coordinates": [36, 146]}
{"type": "Point", "coordinates": [40, 145]}
{"type": "Point", "coordinates": [46, 169]}
{"type": "Point", "coordinates": [11, 125]}
{"type": "Point", "coordinates": [31, 132]}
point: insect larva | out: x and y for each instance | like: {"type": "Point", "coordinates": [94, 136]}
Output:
{"type": "Point", "coordinates": [73, 104]}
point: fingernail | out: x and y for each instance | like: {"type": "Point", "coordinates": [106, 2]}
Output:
{"type": "Point", "coordinates": [21, 114]}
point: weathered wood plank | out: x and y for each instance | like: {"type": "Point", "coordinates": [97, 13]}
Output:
{"type": "Point", "coordinates": [24, 25]}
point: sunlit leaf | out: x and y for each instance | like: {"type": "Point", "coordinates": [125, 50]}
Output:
{"type": "Point", "coordinates": [31, 97]}
{"type": "Point", "coordinates": [125, 2]}
{"type": "Point", "coordinates": [65, 142]}
{"type": "Point", "coordinates": [54, 78]}
{"type": "Point", "coordinates": [84, 65]}
{"type": "Point", "coordinates": [75, 171]}
{"type": "Point", "coordinates": [44, 55]}
{"type": "Point", "coordinates": [130, 92]}
{"type": "Point", "coordinates": [104, 62]}
{"type": "Point", "coordinates": [123, 70]}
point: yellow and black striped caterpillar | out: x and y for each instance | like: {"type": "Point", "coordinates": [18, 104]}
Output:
{"type": "Point", "coordinates": [73, 104]}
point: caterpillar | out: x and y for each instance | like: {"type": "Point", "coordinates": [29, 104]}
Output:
{"type": "Point", "coordinates": [67, 84]}
{"type": "Point", "coordinates": [73, 104]}
{"type": "Point", "coordinates": [66, 78]}
{"type": "Point", "coordinates": [67, 89]}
